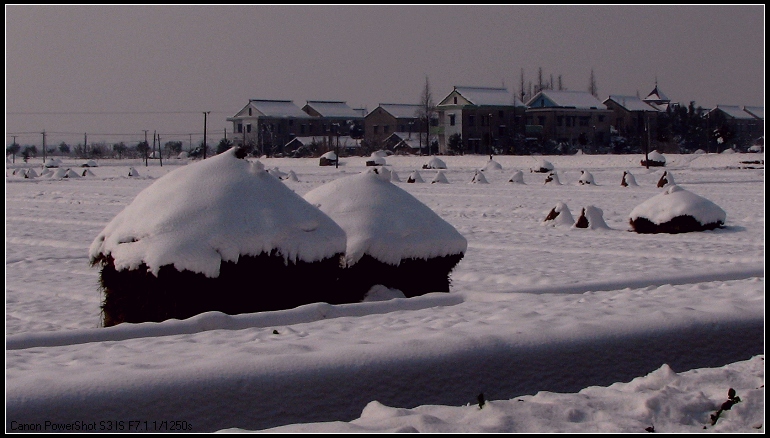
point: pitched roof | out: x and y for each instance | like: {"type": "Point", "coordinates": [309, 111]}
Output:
{"type": "Point", "coordinates": [734, 111]}
{"type": "Point", "coordinates": [632, 103]}
{"type": "Point", "coordinates": [756, 111]}
{"type": "Point", "coordinates": [657, 95]}
{"type": "Point", "coordinates": [333, 109]}
{"type": "Point", "coordinates": [565, 99]}
{"type": "Point", "coordinates": [401, 110]}
{"type": "Point", "coordinates": [278, 108]}
{"type": "Point", "coordinates": [488, 96]}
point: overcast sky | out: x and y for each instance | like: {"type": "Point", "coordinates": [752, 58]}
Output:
{"type": "Point", "coordinates": [81, 69]}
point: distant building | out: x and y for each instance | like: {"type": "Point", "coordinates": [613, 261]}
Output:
{"type": "Point", "coordinates": [389, 118]}
{"type": "Point", "coordinates": [570, 117]}
{"type": "Point", "coordinates": [634, 118]}
{"type": "Point", "coordinates": [732, 125]}
{"type": "Point", "coordinates": [334, 117]}
{"type": "Point", "coordinates": [267, 125]}
{"type": "Point", "coordinates": [486, 119]}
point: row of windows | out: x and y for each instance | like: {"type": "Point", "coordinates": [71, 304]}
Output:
{"type": "Point", "coordinates": [304, 129]}
{"type": "Point", "coordinates": [486, 120]}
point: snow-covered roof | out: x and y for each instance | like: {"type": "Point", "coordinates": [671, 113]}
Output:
{"type": "Point", "coordinates": [632, 103]}
{"type": "Point", "coordinates": [734, 111]}
{"type": "Point", "coordinates": [336, 109]}
{"type": "Point", "coordinates": [488, 96]}
{"type": "Point", "coordinates": [278, 108]}
{"type": "Point", "coordinates": [565, 99]}
{"type": "Point", "coordinates": [401, 110]}
{"type": "Point", "coordinates": [675, 201]}
{"type": "Point", "coordinates": [199, 215]}
{"type": "Point", "coordinates": [756, 111]}
{"type": "Point", "coordinates": [384, 220]}
{"type": "Point", "coordinates": [657, 95]}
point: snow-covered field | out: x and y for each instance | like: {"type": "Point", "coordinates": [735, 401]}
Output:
{"type": "Point", "coordinates": [542, 320]}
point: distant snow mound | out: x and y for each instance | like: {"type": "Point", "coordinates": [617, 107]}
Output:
{"type": "Point", "coordinates": [559, 216]}
{"type": "Point", "coordinates": [479, 178]}
{"type": "Point", "coordinates": [628, 180]}
{"type": "Point", "coordinates": [665, 180]}
{"type": "Point", "coordinates": [517, 177]}
{"type": "Point", "coordinates": [676, 210]}
{"type": "Point", "coordinates": [132, 172]}
{"type": "Point", "coordinates": [434, 163]}
{"type": "Point", "coordinates": [492, 165]}
{"type": "Point", "coordinates": [586, 178]}
{"type": "Point", "coordinates": [552, 179]}
{"type": "Point", "coordinates": [415, 178]}
{"type": "Point", "coordinates": [654, 158]}
{"type": "Point", "coordinates": [440, 178]}
{"type": "Point", "coordinates": [592, 218]}
{"type": "Point", "coordinates": [542, 166]}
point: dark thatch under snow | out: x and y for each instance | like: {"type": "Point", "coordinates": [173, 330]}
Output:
{"type": "Point", "coordinates": [217, 235]}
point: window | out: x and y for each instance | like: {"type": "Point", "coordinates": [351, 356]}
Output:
{"type": "Point", "coordinates": [240, 127]}
{"type": "Point", "coordinates": [302, 129]}
{"type": "Point", "coordinates": [541, 120]}
{"type": "Point", "coordinates": [583, 120]}
{"type": "Point", "coordinates": [376, 129]}
{"type": "Point", "coordinates": [455, 100]}
{"type": "Point", "coordinates": [249, 111]}
{"type": "Point", "coordinates": [451, 120]}
{"type": "Point", "coordinates": [559, 120]}
{"type": "Point", "coordinates": [401, 128]}
{"type": "Point", "coordinates": [248, 127]}
{"type": "Point", "coordinates": [471, 120]}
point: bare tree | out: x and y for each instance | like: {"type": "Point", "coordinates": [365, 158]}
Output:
{"type": "Point", "coordinates": [426, 111]}
{"type": "Point", "coordinates": [592, 88]}
{"type": "Point", "coordinates": [521, 86]}
{"type": "Point", "coordinates": [561, 87]}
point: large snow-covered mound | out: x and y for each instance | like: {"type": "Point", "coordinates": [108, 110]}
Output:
{"type": "Point", "coordinates": [385, 221]}
{"type": "Point", "coordinates": [216, 210]}
{"type": "Point", "coordinates": [665, 211]}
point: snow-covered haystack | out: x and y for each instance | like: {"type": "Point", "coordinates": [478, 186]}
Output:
{"type": "Point", "coordinates": [376, 159]}
{"type": "Point", "coordinates": [217, 235]}
{"type": "Point", "coordinates": [53, 163]}
{"type": "Point", "coordinates": [415, 178]}
{"type": "Point", "coordinates": [676, 210]}
{"type": "Point", "coordinates": [492, 165]}
{"type": "Point", "coordinates": [328, 159]}
{"type": "Point", "coordinates": [666, 179]}
{"type": "Point", "coordinates": [728, 151]}
{"type": "Point", "coordinates": [90, 163]}
{"type": "Point", "coordinates": [62, 172]}
{"type": "Point", "coordinates": [553, 179]}
{"type": "Point", "coordinates": [654, 158]}
{"type": "Point", "coordinates": [479, 178]}
{"type": "Point", "coordinates": [393, 239]}
{"type": "Point", "coordinates": [542, 166]}
{"type": "Point", "coordinates": [394, 176]}
{"type": "Point", "coordinates": [559, 215]}
{"type": "Point", "coordinates": [132, 172]}
{"type": "Point", "coordinates": [46, 173]}
{"type": "Point", "coordinates": [586, 178]}
{"type": "Point", "coordinates": [292, 176]}
{"type": "Point", "coordinates": [440, 178]}
{"type": "Point", "coordinates": [628, 180]}
{"type": "Point", "coordinates": [699, 151]}
{"type": "Point", "coordinates": [591, 217]}
{"type": "Point", "coordinates": [30, 173]}
{"type": "Point", "coordinates": [517, 177]}
{"type": "Point", "coordinates": [434, 163]}
{"type": "Point", "coordinates": [87, 172]}
{"type": "Point", "coordinates": [182, 155]}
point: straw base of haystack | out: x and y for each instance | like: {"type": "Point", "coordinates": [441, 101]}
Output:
{"type": "Point", "coordinates": [679, 224]}
{"type": "Point", "coordinates": [413, 277]}
{"type": "Point", "coordinates": [253, 284]}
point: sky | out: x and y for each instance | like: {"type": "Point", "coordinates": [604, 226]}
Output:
{"type": "Point", "coordinates": [559, 328]}
{"type": "Point", "coordinates": [71, 70]}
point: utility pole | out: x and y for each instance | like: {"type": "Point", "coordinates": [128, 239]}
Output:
{"type": "Point", "coordinates": [146, 146]}
{"type": "Point", "coordinates": [489, 121]}
{"type": "Point", "coordinates": [205, 125]}
{"type": "Point", "coordinates": [160, 152]}
{"type": "Point", "coordinates": [85, 144]}
{"type": "Point", "coordinates": [43, 145]}
{"type": "Point", "coordinates": [647, 143]}
{"type": "Point", "coordinates": [13, 144]}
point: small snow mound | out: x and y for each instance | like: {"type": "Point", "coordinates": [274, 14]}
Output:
{"type": "Point", "coordinates": [394, 176]}
{"type": "Point", "coordinates": [492, 165]}
{"type": "Point", "coordinates": [667, 179]}
{"type": "Point", "coordinates": [517, 177]}
{"type": "Point", "coordinates": [628, 180]}
{"type": "Point", "coordinates": [558, 216]}
{"type": "Point", "coordinates": [132, 172]}
{"type": "Point", "coordinates": [552, 179]}
{"type": "Point", "coordinates": [415, 178]}
{"type": "Point", "coordinates": [434, 163]}
{"type": "Point", "coordinates": [654, 158]}
{"type": "Point", "coordinates": [376, 159]}
{"type": "Point", "coordinates": [592, 218]}
{"type": "Point", "coordinates": [586, 178]}
{"type": "Point", "coordinates": [542, 166]}
{"type": "Point", "coordinates": [293, 176]}
{"type": "Point", "coordinates": [479, 178]}
{"type": "Point", "coordinates": [440, 178]}
{"type": "Point", "coordinates": [278, 173]}
{"type": "Point", "coordinates": [728, 151]}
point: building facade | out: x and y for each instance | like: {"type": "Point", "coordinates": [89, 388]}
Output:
{"type": "Point", "coordinates": [576, 118]}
